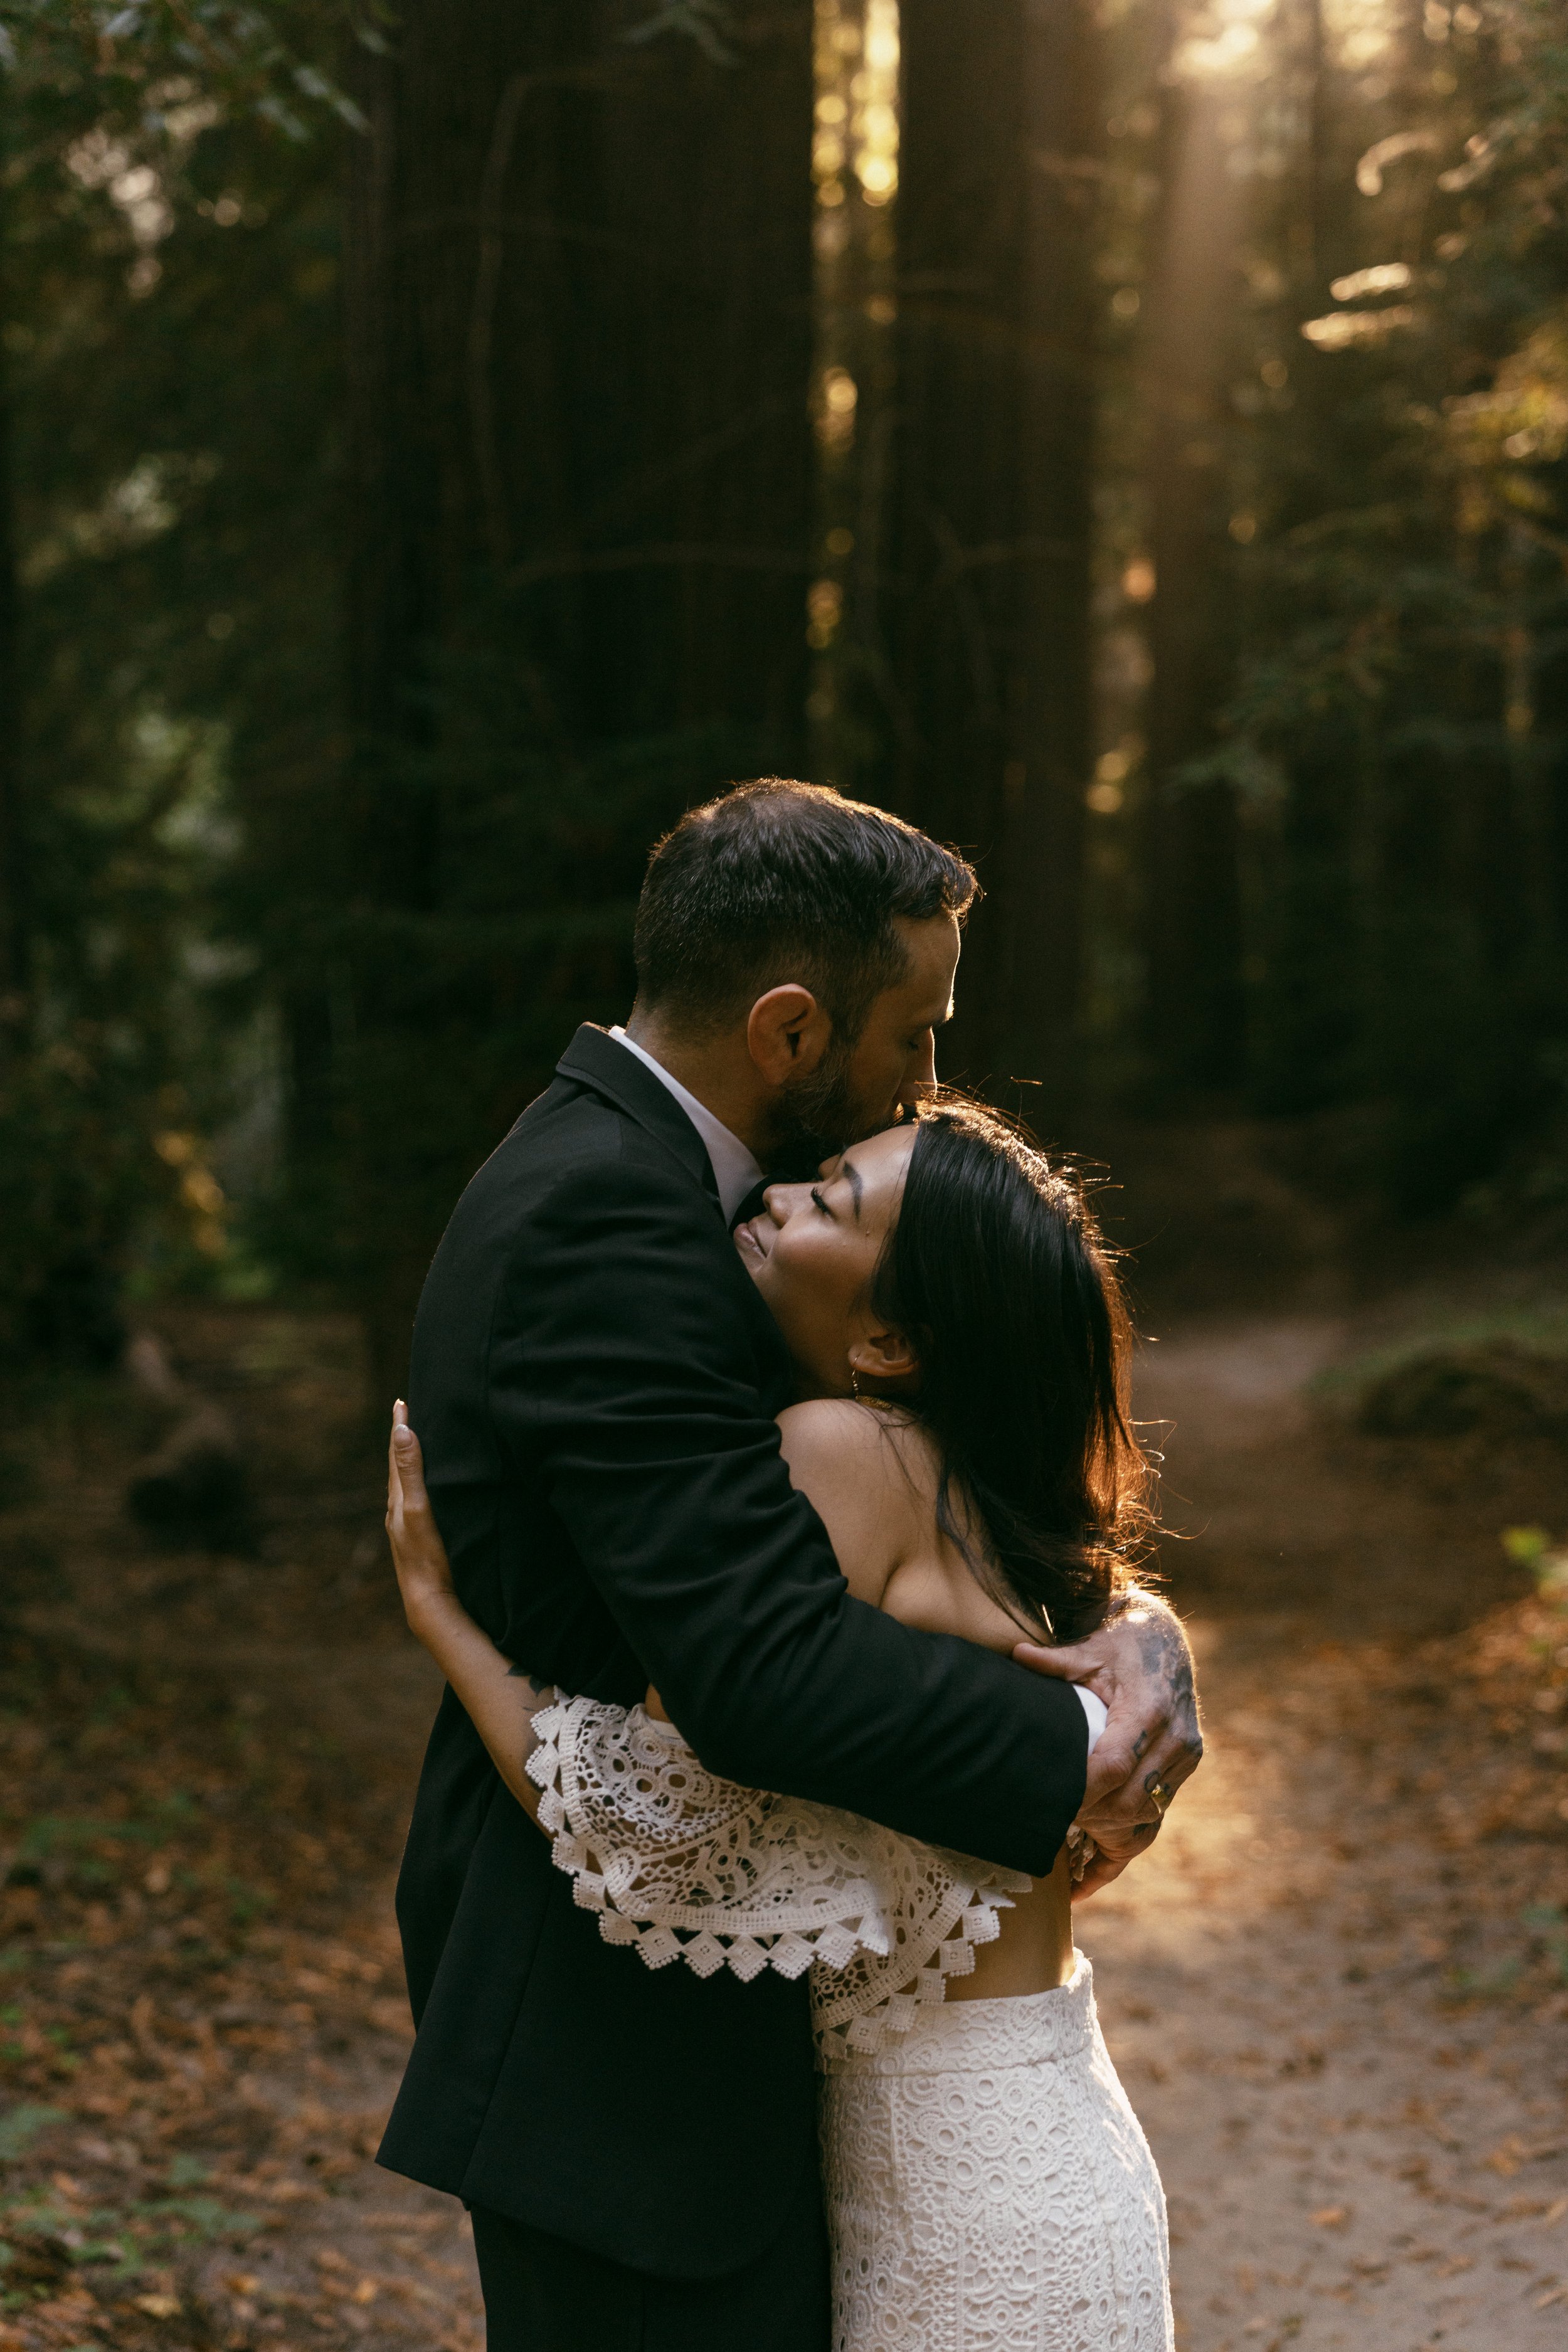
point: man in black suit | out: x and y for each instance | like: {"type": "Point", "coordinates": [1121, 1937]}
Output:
{"type": "Point", "coordinates": [594, 1380]}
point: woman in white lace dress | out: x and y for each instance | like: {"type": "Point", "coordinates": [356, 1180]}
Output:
{"type": "Point", "coordinates": [960, 1342]}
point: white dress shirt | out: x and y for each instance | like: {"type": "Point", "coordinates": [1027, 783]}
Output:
{"type": "Point", "coordinates": [735, 1170]}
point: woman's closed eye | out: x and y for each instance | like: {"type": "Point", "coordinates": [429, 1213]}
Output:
{"type": "Point", "coordinates": [819, 1201]}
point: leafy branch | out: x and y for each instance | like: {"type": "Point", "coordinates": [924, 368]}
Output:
{"type": "Point", "coordinates": [242, 57]}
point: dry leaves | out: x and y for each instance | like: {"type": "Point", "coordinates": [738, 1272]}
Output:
{"type": "Point", "coordinates": [201, 2004]}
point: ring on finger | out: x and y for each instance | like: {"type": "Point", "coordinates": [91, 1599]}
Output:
{"type": "Point", "coordinates": [1162, 1796]}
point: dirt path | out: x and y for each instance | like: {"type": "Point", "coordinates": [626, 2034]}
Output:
{"type": "Point", "coordinates": [206, 1763]}
{"type": "Point", "coordinates": [1353, 2156]}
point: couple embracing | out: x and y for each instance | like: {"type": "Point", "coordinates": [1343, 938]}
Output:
{"type": "Point", "coordinates": [773, 1540]}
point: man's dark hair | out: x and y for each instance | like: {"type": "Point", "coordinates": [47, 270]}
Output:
{"type": "Point", "coordinates": [777, 881]}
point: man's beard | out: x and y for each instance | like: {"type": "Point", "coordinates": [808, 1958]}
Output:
{"type": "Point", "coordinates": [815, 1116]}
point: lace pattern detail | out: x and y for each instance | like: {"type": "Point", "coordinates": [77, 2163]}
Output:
{"type": "Point", "coordinates": [989, 2188]}
{"type": "Point", "coordinates": [690, 1869]}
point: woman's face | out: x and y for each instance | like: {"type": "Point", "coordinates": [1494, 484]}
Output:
{"type": "Point", "coordinates": [813, 1253]}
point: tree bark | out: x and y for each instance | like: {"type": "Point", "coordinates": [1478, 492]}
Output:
{"type": "Point", "coordinates": [992, 718]}
{"type": "Point", "coordinates": [1192, 883]}
{"type": "Point", "coordinates": [14, 957]}
{"type": "Point", "coordinates": [579, 321]}
{"type": "Point", "coordinates": [1046, 807]}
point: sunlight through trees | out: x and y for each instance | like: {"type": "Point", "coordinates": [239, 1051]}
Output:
{"type": "Point", "coordinates": [1129, 439]}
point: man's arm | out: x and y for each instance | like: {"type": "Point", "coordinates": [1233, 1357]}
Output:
{"type": "Point", "coordinates": [623, 1370]}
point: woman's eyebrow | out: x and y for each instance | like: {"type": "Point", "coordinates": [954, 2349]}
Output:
{"type": "Point", "coordinates": [848, 1169]}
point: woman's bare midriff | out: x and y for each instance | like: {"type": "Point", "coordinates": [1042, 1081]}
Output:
{"type": "Point", "coordinates": [1034, 1952]}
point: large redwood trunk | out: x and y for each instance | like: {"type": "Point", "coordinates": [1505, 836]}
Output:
{"type": "Point", "coordinates": [992, 723]}
{"type": "Point", "coordinates": [14, 960]}
{"type": "Point", "coordinates": [579, 320]}
{"type": "Point", "coordinates": [579, 329]}
{"type": "Point", "coordinates": [1192, 877]}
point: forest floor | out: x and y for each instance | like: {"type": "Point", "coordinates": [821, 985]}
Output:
{"type": "Point", "coordinates": [1338, 1991]}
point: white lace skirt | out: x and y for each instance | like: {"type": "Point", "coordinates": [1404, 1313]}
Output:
{"type": "Point", "coordinates": [989, 2188]}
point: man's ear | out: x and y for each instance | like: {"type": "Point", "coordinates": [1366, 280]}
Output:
{"type": "Point", "coordinates": [787, 1034]}
{"type": "Point", "coordinates": [888, 1355]}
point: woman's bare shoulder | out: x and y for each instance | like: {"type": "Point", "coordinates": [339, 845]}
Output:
{"type": "Point", "coordinates": [867, 1473]}
{"type": "Point", "coordinates": [833, 1437]}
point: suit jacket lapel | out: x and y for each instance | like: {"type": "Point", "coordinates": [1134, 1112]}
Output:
{"type": "Point", "coordinates": [595, 1059]}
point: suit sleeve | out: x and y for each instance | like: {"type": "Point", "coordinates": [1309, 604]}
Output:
{"type": "Point", "coordinates": [623, 1367]}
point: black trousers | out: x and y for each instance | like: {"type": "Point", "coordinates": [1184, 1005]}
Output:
{"type": "Point", "coordinates": [542, 2294]}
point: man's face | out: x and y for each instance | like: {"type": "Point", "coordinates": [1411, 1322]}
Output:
{"type": "Point", "coordinates": [892, 1064]}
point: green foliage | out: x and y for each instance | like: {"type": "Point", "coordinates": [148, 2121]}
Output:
{"type": "Point", "coordinates": [1546, 1925]}
{"type": "Point", "coordinates": [20, 2126]}
{"type": "Point", "coordinates": [247, 946]}
{"type": "Point", "coordinates": [126, 2238]}
{"type": "Point", "coordinates": [169, 342]}
{"type": "Point", "coordinates": [69, 1187]}
{"type": "Point", "coordinates": [243, 57]}
{"type": "Point", "coordinates": [1549, 1924]}
{"type": "Point", "coordinates": [1526, 1546]}
{"type": "Point", "coordinates": [287, 981]}
{"type": "Point", "coordinates": [1404, 671]}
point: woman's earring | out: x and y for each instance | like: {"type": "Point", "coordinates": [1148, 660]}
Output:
{"type": "Point", "coordinates": [855, 1385]}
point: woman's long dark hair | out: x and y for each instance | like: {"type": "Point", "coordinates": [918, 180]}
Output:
{"type": "Point", "coordinates": [997, 1273]}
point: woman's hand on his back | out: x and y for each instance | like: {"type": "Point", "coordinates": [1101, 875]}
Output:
{"type": "Point", "coordinates": [1141, 1666]}
{"type": "Point", "coordinates": [424, 1572]}
{"type": "Point", "coordinates": [502, 1700]}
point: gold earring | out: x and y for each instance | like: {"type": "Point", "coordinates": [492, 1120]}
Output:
{"type": "Point", "coordinates": [855, 1390]}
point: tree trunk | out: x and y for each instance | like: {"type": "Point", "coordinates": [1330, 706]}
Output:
{"type": "Point", "coordinates": [578, 327]}
{"type": "Point", "coordinates": [1042, 878]}
{"type": "Point", "coordinates": [14, 957]}
{"type": "Point", "coordinates": [1319, 928]}
{"type": "Point", "coordinates": [1192, 879]}
{"type": "Point", "coordinates": [991, 717]}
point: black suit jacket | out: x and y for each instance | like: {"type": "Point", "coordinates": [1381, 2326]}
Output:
{"type": "Point", "coordinates": [594, 1380]}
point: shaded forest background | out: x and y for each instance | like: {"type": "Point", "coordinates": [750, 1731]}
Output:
{"type": "Point", "coordinates": [439, 445]}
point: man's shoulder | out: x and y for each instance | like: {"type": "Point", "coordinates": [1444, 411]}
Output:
{"type": "Point", "coordinates": [576, 1165]}
{"type": "Point", "coordinates": [585, 1222]}
{"type": "Point", "coordinates": [572, 1144]}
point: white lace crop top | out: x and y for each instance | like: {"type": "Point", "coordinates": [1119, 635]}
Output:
{"type": "Point", "coordinates": [695, 1871]}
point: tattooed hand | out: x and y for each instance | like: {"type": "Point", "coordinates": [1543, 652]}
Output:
{"type": "Point", "coordinates": [1140, 1664]}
